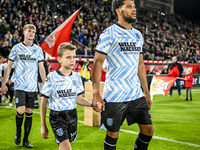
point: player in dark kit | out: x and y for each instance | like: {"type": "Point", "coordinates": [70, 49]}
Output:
{"type": "Point", "coordinates": [27, 58]}
{"type": "Point", "coordinates": [123, 98]}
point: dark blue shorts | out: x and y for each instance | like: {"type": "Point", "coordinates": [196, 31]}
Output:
{"type": "Point", "coordinates": [136, 111]}
{"type": "Point", "coordinates": [64, 124]}
{"type": "Point", "coordinates": [28, 99]}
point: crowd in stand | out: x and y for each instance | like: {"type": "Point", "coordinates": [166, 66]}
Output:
{"type": "Point", "coordinates": [165, 35]}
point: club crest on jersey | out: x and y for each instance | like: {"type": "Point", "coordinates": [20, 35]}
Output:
{"type": "Point", "coordinates": [99, 41]}
{"type": "Point", "coordinates": [109, 121]}
{"type": "Point", "coordinates": [74, 82]}
{"type": "Point", "coordinates": [137, 35]}
{"type": "Point", "coordinates": [16, 100]}
{"type": "Point", "coordinates": [59, 132]}
{"type": "Point", "coordinates": [128, 46]}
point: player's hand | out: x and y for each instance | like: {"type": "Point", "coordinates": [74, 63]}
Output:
{"type": "Point", "coordinates": [44, 132]}
{"type": "Point", "coordinates": [4, 89]}
{"type": "Point", "coordinates": [98, 103]}
{"type": "Point", "coordinates": [148, 100]}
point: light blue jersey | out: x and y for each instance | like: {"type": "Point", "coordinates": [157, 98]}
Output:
{"type": "Point", "coordinates": [122, 48]}
{"type": "Point", "coordinates": [4, 68]}
{"type": "Point", "coordinates": [26, 59]}
{"type": "Point", "coordinates": [62, 91]}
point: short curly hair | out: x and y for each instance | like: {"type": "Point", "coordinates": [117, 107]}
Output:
{"type": "Point", "coordinates": [117, 4]}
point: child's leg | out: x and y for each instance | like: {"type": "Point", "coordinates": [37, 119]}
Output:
{"type": "Point", "coordinates": [190, 93]}
{"type": "Point", "coordinates": [186, 93]}
{"type": "Point", "coordinates": [65, 145]}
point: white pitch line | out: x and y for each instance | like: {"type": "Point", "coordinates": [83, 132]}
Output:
{"type": "Point", "coordinates": [165, 139]}
{"type": "Point", "coordinates": [133, 132]}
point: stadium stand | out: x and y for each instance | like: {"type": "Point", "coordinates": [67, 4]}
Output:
{"type": "Point", "coordinates": [165, 35]}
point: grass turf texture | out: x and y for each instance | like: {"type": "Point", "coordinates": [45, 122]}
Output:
{"type": "Point", "coordinates": [175, 120]}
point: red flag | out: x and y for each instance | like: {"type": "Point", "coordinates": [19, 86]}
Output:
{"type": "Point", "coordinates": [59, 35]}
{"type": "Point", "coordinates": [161, 85]}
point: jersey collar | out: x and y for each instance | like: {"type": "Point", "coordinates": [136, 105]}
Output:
{"type": "Point", "coordinates": [61, 73]}
{"type": "Point", "coordinates": [122, 26]}
{"type": "Point", "coordinates": [25, 44]}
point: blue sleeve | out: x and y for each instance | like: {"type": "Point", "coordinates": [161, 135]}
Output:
{"type": "Point", "coordinates": [47, 88]}
{"type": "Point", "coordinates": [80, 89]}
{"type": "Point", "coordinates": [13, 54]}
{"type": "Point", "coordinates": [104, 43]}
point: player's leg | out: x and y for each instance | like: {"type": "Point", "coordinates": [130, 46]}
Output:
{"type": "Point", "coordinates": [20, 105]}
{"type": "Point", "coordinates": [138, 112]}
{"type": "Point", "coordinates": [27, 127]}
{"type": "Point", "coordinates": [65, 145]}
{"type": "Point", "coordinates": [144, 137]}
{"type": "Point", "coordinates": [110, 140]}
{"type": "Point", "coordinates": [19, 121]}
{"type": "Point", "coordinates": [30, 98]}
{"type": "Point", "coordinates": [111, 120]}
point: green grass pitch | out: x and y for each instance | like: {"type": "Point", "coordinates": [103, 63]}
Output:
{"type": "Point", "coordinates": [176, 127]}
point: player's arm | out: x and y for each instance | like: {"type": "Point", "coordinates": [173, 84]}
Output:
{"type": "Point", "coordinates": [96, 76]}
{"type": "Point", "coordinates": [83, 101]}
{"type": "Point", "coordinates": [143, 79]}
{"type": "Point", "coordinates": [44, 129]}
{"type": "Point", "coordinates": [4, 89]}
{"type": "Point", "coordinates": [42, 71]}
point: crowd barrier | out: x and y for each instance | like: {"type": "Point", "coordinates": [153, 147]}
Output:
{"type": "Point", "coordinates": [150, 65]}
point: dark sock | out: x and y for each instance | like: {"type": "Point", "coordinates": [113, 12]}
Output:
{"type": "Point", "coordinates": [110, 143]}
{"type": "Point", "coordinates": [142, 142]}
{"type": "Point", "coordinates": [27, 126]}
{"type": "Point", "coordinates": [11, 96]}
{"type": "Point", "coordinates": [6, 95]}
{"type": "Point", "coordinates": [0, 98]}
{"type": "Point", "coordinates": [19, 120]}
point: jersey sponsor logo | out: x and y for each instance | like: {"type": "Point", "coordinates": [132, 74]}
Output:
{"type": "Point", "coordinates": [61, 81]}
{"type": "Point", "coordinates": [66, 93]}
{"type": "Point", "coordinates": [128, 46]}
{"type": "Point", "coordinates": [26, 57]}
{"type": "Point", "coordinates": [109, 121]}
{"type": "Point", "coordinates": [122, 33]}
{"type": "Point", "coordinates": [73, 134]}
{"type": "Point", "coordinates": [59, 132]}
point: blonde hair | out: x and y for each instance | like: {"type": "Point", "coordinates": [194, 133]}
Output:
{"type": "Point", "coordinates": [65, 46]}
{"type": "Point", "coordinates": [29, 26]}
{"type": "Point", "coordinates": [189, 70]}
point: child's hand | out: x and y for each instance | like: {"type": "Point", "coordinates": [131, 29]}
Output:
{"type": "Point", "coordinates": [99, 105]}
